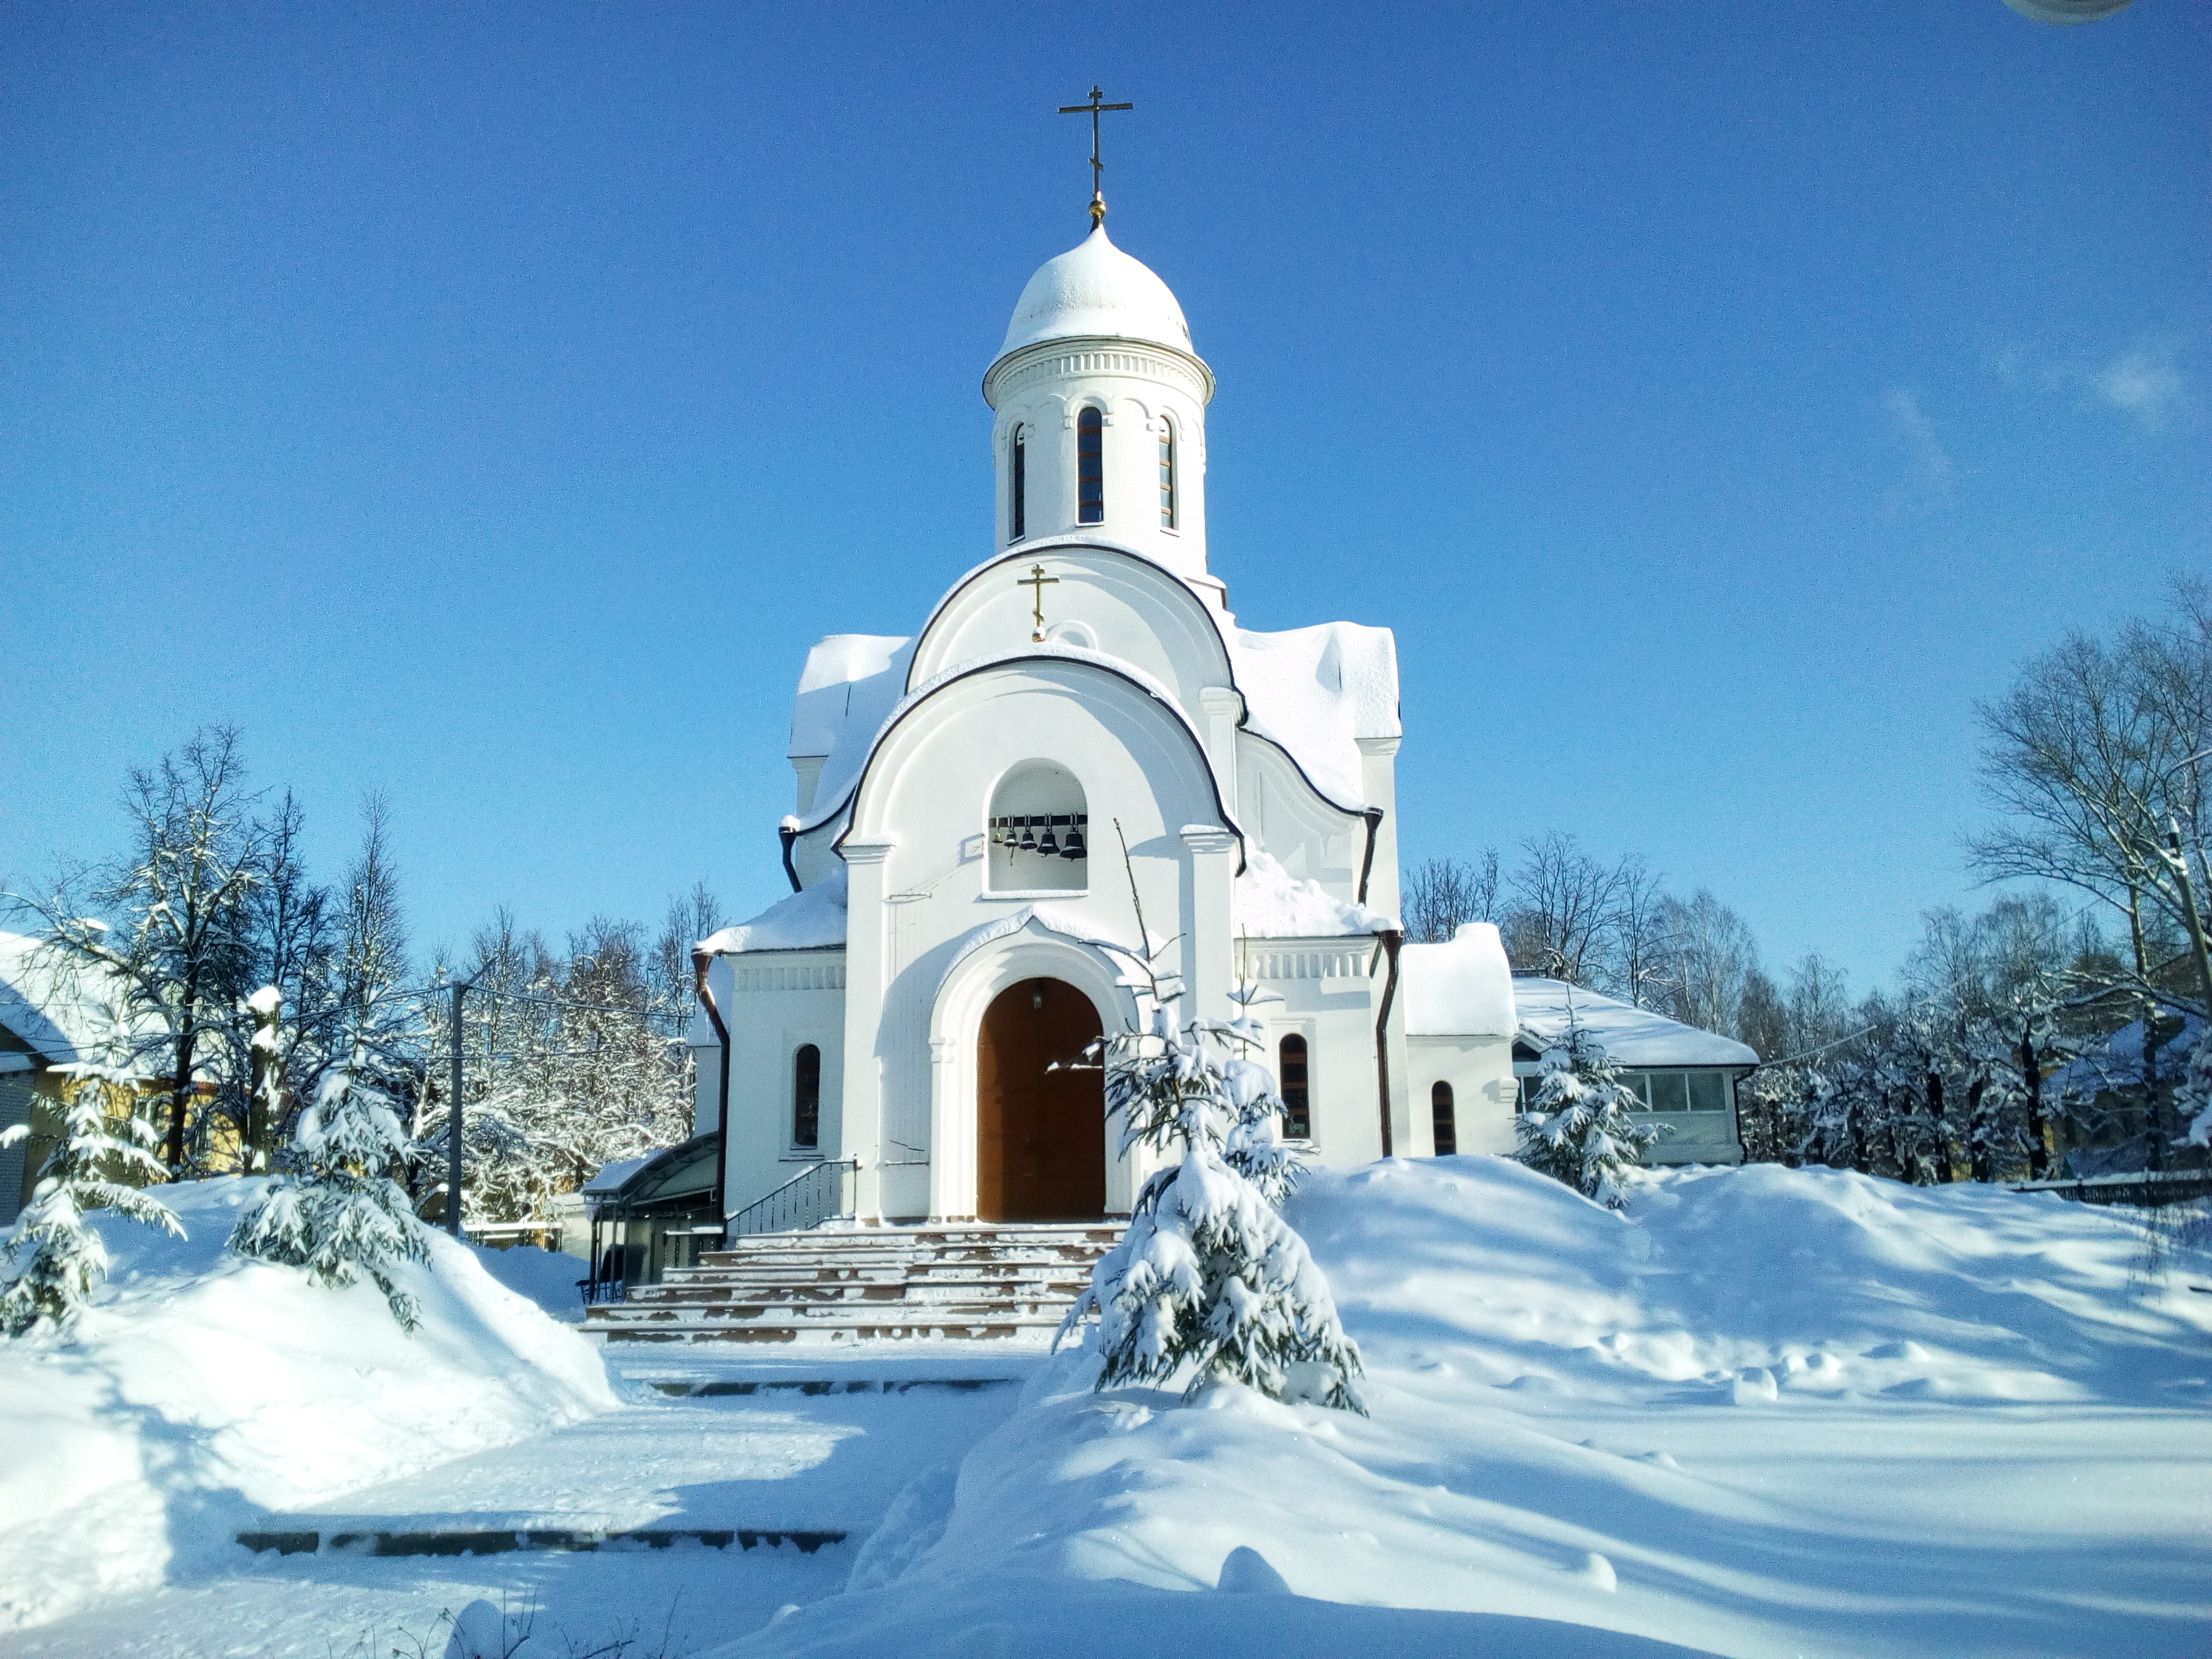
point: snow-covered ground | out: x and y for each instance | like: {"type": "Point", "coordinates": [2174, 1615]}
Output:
{"type": "Point", "coordinates": [1768, 1412]}
{"type": "Point", "coordinates": [203, 1388]}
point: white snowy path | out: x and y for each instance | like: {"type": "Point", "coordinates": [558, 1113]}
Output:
{"type": "Point", "coordinates": [774, 1460]}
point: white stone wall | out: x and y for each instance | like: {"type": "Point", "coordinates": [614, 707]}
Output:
{"type": "Point", "coordinates": [1480, 1071]}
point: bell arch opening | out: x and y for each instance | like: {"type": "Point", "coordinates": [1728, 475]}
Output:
{"type": "Point", "coordinates": [1040, 1122]}
{"type": "Point", "coordinates": [1040, 832]}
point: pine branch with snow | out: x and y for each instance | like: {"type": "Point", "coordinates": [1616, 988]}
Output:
{"type": "Point", "coordinates": [55, 1258]}
{"type": "Point", "coordinates": [336, 1211]}
{"type": "Point", "coordinates": [1579, 1129]}
{"type": "Point", "coordinates": [2192, 1099]}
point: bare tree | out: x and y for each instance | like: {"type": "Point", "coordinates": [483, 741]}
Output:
{"type": "Point", "coordinates": [1443, 893]}
{"type": "Point", "coordinates": [689, 920]}
{"type": "Point", "coordinates": [1643, 958]}
{"type": "Point", "coordinates": [1564, 911]}
{"type": "Point", "coordinates": [1711, 952]}
{"type": "Point", "coordinates": [2099, 754]}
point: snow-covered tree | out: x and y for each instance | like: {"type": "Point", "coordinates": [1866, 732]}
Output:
{"type": "Point", "coordinates": [335, 1210]}
{"type": "Point", "coordinates": [1580, 1128]}
{"type": "Point", "coordinates": [54, 1257]}
{"type": "Point", "coordinates": [2192, 1101]}
{"type": "Point", "coordinates": [1208, 1276]}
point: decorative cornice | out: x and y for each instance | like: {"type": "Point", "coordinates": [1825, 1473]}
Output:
{"type": "Point", "coordinates": [1096, 354]}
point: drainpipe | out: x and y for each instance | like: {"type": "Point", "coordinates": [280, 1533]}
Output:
{"type": "Point", "coordinates": [1374, 816]}
{"type": "Point", "coordinates": [787, 832]}
{"type": "Point", "coordinates": [1391, 938]}
{"type": "Point", "coordinates": [700, 962]}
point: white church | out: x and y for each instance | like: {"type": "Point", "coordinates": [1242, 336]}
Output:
{"type": "Point", "coordinates": [1080, 727]}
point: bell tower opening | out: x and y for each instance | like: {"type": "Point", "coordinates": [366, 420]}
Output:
{"type": "Point", "coordinates": [1040, 832]}
{"type": "Point", "coordinates": [1040, 1123]}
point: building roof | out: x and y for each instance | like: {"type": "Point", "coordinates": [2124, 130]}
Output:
{"type": "Point", "coordinates": [1464, 987]}
{"type": "Point", "coordinates": [1095, 290]}
{"type": "Point", "coordinates": [61, 1012]}
{"type": "Point", "coordinates": [1632, 1037]}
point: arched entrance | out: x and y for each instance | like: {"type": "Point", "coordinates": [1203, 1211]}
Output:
{"type": "Point", "coordinates": [1040, 1135]}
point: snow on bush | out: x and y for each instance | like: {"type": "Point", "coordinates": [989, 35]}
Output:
{"type": "Point", "coordinates": [1208, 1277]}
{"type": "Point", "coordinates": [1579, 1128]}
{"type": "Point", "coordinates": [54, 1259]}
{"type": "Point", "coordinates": [335, 1210]}
{"type": "Point", "coordinates": [200, 1388]}
{"type": "Point", "coordinates": [1771, 1412]}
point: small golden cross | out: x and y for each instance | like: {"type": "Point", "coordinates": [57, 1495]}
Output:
{"type": "Point", "coordinates": [1037, 580]}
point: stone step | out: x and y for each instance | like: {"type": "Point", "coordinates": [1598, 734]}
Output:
{"type": "Point", "coordinates": [870, 1283]}
{"type": "Point", "coordinates": [826, 1313]}
{"type": "Point", "coordinates": [1031, 1290]}
{"type": "Point", "coordinates": [286, 1538]}
{"type": "Point", "coordinates": [830, 1334]}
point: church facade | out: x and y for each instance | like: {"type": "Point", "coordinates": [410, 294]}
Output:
{"type": "Point", "coordinates": [1078, 736]}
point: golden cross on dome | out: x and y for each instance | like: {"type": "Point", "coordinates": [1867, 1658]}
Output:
{"type": "Point", "coordinates": [1093, 109]}
{"type": "Point", "coordinates": [1037, 580]}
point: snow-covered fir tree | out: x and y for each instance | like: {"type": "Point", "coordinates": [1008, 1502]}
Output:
{"type": "Point", "coordinates": [1579, 1129]}
{"type": "Point", "coordinates": [50, 1265]}
{"type": "Point", "coordinates": [1209, 1276]}
{"type": "Point", "coordinates": [335, 1210]}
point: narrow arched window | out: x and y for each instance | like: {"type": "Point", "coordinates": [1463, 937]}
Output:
{"type": "Point", "coordinates": [1440, 1115]}
{"type": "Point", "coordinates": [1297, 1111]}
{"type": "Point", "coordinates": [1017, 485]}
{"type": "Point", "coordinates": [806, 1097]}
{"type": "Point", "coordinates": [1167, 474]}
{"type": "Point", "coordinates": [1090, 467]}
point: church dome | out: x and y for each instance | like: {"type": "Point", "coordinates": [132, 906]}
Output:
{"type": "Point", "coordinates": [1096, 289]}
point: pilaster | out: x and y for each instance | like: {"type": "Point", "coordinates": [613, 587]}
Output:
{"type": "Point", "coordinates": [1209, 960]}
{"type": "Point", "coordinates": [860, 1116]}
{"type": "Point", "coordinates": [1224, 706]}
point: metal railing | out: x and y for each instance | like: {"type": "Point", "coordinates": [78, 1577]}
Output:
{"type": "Point", "coordinates": [815, 1195]}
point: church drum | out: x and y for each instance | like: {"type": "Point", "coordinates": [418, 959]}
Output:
{"type": "Point", "coordinates": [1041, 1134]}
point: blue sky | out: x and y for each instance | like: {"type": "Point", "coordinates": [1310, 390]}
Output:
{"type": "Point", "coordinates": [489, 405]}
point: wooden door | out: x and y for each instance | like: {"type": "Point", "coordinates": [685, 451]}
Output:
{"type": "Point", "coordinates": [1041, 1134]}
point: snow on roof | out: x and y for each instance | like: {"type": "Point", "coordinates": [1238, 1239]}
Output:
{"type": "Point", "coordinates": [61, 1010]}
{"type": "Point", "coordinates": [811, 920]}
{"type": "Point", "coordinates": [1632, 1037]}
{"type": "Point", "coordinates": [1464, 987]}
{"type": "Point", "coordinates": [2117, 1061]}
{"type": "Point", "coordinates": [1316, 691]}
{"type": "Point", "coordinates": [828, 804]}
{"type": "Point", "coordinates": [611, 1175]}
{"type": "Point", "coordinates": [1094, 289]}
{"type": "Point", "coordinates": [1268, 901]}
{"type": "Point", "coordinates": [850, 684]}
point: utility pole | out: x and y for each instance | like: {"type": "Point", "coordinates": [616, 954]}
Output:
{"type": "Point", "coordinates": [454, 1122]}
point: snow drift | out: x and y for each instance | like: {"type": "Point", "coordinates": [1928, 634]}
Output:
{"type": "Point", "coordinates": [201, 1387]}
{"type": "Point", "coordinates": [1769, 1411]}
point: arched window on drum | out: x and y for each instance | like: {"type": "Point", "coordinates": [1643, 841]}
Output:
{"type": "Point", "coordinates": [1038, 838]}
{"type": "Point", "coordinates": [1293, 1082]}
{"type": "Point", "coordinates": [1017, 485]}
{"type": "Point", "coordinates": [1091, 466]}
{"type": "Point", "coordinates": [1167, 473]}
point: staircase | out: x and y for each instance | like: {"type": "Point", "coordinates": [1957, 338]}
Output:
{"type": "Point", "coordinates": [968, 1281]}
